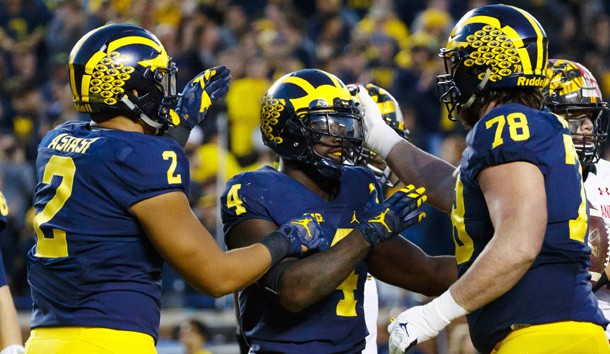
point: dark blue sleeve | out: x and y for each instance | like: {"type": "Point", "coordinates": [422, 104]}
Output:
{"type": "Point", "coordinates": [143, 170]}
{"type": "Point", "coordinates": [245, 198]}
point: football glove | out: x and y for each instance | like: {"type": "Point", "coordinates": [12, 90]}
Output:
{"type": "Point", "coordinates": [420, 323]}
{"type": "Point", "coordinates": [304, 234]}
{"type": "Point", "coordinates": [382, 221]}
{"type": "Point", "coordinates": [195, 100]}
{"type": "Point", "coordinates": [13, 349]}
{"type": "Point", "coordinates": [378, 136]}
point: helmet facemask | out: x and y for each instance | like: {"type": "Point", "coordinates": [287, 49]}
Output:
{"type": "Point", "coordinates": [455, 81]}
{"type": "Point", "coordinates": [155, 96]}
{"type": "Point", "coordinates": [338, 128]}
{"type": "Point", "coordinates": [587, 145]}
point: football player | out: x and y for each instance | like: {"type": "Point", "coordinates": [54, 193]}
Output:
{"type": "Point", "coordinates": [111, 202]}
{"type": "Point", "coordinates": [573, 93]}
{"type": "Point", "coordinates": [511, 250]}
{"type": "Point", "coordinates": [10, 332]}
{"type": "Point", "coordinates": [314, 304]}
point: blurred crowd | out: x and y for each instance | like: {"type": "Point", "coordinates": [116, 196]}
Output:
{"type": "Point", "coordinates": [392, 43]}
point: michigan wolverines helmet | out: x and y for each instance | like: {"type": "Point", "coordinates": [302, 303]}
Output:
{"type": "Point", "coordinates": [573, 93]}
{"type": "Point", "coordinates": [301, 109]}
{"type": "Point", "coordinates": [390, 110]}
{"type": "Point", "coordinates": [123, 69]}
{"type": "Point", "coordinates": [392, 115]}
{"type": "Point", "coordinates": [491, 47]}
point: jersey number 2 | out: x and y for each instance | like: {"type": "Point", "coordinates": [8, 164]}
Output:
{"type": "Point", "coordinates": [55, 246]}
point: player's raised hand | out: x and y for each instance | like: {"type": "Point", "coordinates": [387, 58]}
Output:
{"type": "Point", "coordinates": [378, 136]}
{"type": "Point", "coordinates": [382, 221]}
{"type": "Point", "coordinates": [196, 98]}
{"type": "Point", "coordinates": [201, 92]}
{"type": "Point", "coordinates": [304, 234]}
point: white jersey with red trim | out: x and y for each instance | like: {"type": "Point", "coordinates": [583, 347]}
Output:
{"type": "Point", "coordinates": [597, 187]}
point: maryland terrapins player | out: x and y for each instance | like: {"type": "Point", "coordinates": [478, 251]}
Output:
{"type": "Point", "coordinates": [111, 203]}
{"type": "Point", "coordinates": [573, 93]}
{"type": "Point", "coordinates": [314, 304]}
{"type": "Point", "coordinates": [523, 280]}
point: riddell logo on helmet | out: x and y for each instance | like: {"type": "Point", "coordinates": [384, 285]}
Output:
{"type": "Point", "coordinates": [535, 81]}
{"type": "Point", "coordinates": [83, 107]}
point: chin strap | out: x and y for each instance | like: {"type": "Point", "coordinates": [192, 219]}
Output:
{"type": "Point", "coordinates": [478, 89]}
{"type": "Point", "coordinates": [146, 119]}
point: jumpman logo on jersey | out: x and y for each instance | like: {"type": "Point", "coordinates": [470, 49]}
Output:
{"type": "Point", "coordinates": [381, 219]}
{"type": "Point", "coordinates": [303, 222]}
{"type": "Point", "coordinates": [354, 219]}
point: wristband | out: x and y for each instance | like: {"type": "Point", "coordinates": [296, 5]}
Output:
{"type": "Point", "coordinates": [382, 139]}
{"type": "Point", "coordinates": [278, 246]}
{"type": "Point", "coordinates": [442, 310]}
{"type": "Point", "coordinates": [179, 133]}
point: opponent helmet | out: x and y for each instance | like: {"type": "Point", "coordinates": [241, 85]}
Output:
{"type": "Point", "coordinates": [111, 62]}
{"type": "Point", "coordinates": [573, 92]}
{"type": "Point", "coordinates": [302, 107]}
{"type": "Point", "coordinates": [392, 115]}
{"type": "Point", "coordinates": [491, 47]}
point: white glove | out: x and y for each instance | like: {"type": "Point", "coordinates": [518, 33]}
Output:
{"type": "Point", "coordinates": [420, 323]}
{"type": "Point", "coordinates": [13, 349]}
{"type": "Point", "coordinates": [378, 136]}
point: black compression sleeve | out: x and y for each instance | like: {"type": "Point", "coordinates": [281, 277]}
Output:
{"type": "Point", "coordinates": [272, 280]}
{"type": "Point", "coordinates": [278, 245]}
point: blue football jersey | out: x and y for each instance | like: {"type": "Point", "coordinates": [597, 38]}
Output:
{"type": "Point", "coordinates": [92, 264]}
{"type": "Point", "coordinates": [336, 323]}
{"type": "Point", "coordinates": [556, 287]}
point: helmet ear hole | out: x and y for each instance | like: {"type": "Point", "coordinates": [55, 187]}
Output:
{"type": "Point", "coordinates": [296, 133]}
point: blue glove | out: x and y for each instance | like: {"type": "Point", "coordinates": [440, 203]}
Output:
{"type": "Point", "coordinates": [195, 100]}
{"type": "Point", "coordinates": [304, 234]}
{"type": "Point", "coordinates": [199, 94]}
{"type": "Point", "coordinates": [382, 221]}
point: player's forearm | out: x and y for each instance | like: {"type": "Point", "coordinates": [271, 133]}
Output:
{"type": "Point", "coordinates": [494, 273]}
{"type": "Point", "coordinates": [10, 333]}
{"type": "Point", "coordinates": [435, 174]}
{"type": "Point", "coordinates": [216, 274]}
{"type": "Point", "coordinates": [401, 263]}
{"type": "Point", "coordinates": [314, 277]}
